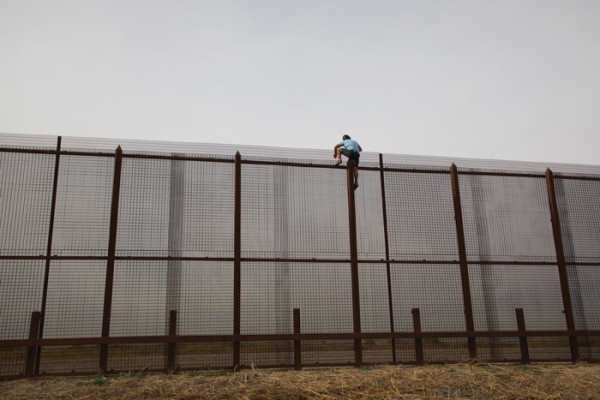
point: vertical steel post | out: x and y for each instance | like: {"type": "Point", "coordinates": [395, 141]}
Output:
{"type": "Point", "coordinates": [48, 252]}
{"type": "Point", "coordinates": [34, 327]}
{"type": "Point", "coordinates": [416, 313]}
{"type": "Point", "coordinates": [464, 268]}
{"type": "Point", "coordinates": [562, 267]}
{"type": "Point", "coordinates": [110, 264]}
{"type": "Point", "coordinates": [522, 338]}
{"type": "Point", "coordinates": [387, 256]}
{"type": "Point", "coordinates": [297, 344]}
{"type": "Point", "coordinates": [237, 267]}
{"type": "Point", "coordinates": [354, 263]}
{"type": "Point", "coordinates": [172, 347]}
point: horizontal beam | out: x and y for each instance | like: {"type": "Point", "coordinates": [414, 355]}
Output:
{"type": "Point", "coordinates": [286, 337]}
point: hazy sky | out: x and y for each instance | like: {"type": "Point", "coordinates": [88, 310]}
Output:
{"type": "Point", "coordinates": [510, 79]}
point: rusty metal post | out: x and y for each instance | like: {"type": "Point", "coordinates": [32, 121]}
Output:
{"type": "Point", "coordinates": [522, 338]}
{"type": "Point", "coordinates": [110, 264]}
{"type": "Point", "coordinates": [354, 263]}
{"type": "Point", "coordinates": [464, 268]}
{"type": "Point", "coordinates": [387, 256]}
{"type": "Point", "coordinates": [171, 346]}
{"type": "Point", "coordinates": [562, 267]}
{"type": "Point", "coordinates": [48, 252]}
{"type": "Point", "coordinates": [34, 327]}
{"type": "Point", "coordinates": [237, 265]}
{"type": "Point", "coordinates": [297, 343]}
{"type": "Point", "coordinates": [416, 313]}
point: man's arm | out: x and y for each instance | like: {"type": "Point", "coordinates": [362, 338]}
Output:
{"type": "Point", "coordinates": [359, 148]}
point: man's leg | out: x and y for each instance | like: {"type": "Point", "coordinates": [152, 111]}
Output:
{"type": "Point", "coordinates": [355, 177]}
{"type": "Point", "coordinates": [339, 156]}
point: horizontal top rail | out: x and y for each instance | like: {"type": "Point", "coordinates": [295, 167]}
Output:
{"type": "Point", "coordinates": [307, 164]}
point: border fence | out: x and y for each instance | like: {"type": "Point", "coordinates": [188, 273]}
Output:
{"type": "Point", "coordinates": [121, 260]}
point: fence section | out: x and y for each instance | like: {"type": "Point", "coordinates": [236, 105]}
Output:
{"type": "Point", "coordinates": [160, 261]}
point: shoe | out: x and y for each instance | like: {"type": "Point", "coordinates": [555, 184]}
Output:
{"type": "Point", "coordinates": [355, 186]}
{"type": "Point", "coordinates": [338, 162]}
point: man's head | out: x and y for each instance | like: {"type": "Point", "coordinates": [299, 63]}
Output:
{"type": "Point", "coordinates": [345, 137]}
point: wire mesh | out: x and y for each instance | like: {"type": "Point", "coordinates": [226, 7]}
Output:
{"type": "Point", "coordinates": [578, 204]}
{"type": "Point", "coordinates": [506, 218]}
{"type": "Point", "coordinates": [26, 182]}
{"type": "Point", "coordinates": [420, 216]}
{"type": "Point", "coordinates": [497, 290]}
{"type": "Point", "coordinates": [435, 290]}
{"type": "Point", "coordinates": [21, 283]}
{"type": "Point", "coordinates": [175, 251]}
{"type": "Point", "coordinates": [75, 299]}
{"type": "Point", "coordinates": [83, 202]}
{"type": "Point", "coordinates": [294, 212]}
{"type": "Point", "coordinates": [69, 359]}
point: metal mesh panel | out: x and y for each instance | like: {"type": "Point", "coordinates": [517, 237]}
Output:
{"type": "Point", "coordinates": [420, 216]}
{"type": "Point", "coordinates": [139, 302]}
{"type": "Point", "coordinates": [434, 289]}
{"type": "Point", "coordinates": [549, 348]}
{"type": "Point", "coordinates": [271, 291]}
{"type": "Point", "coordinates": [176, 208]}
{"type": "Point", "coordinates": [20, 295]}
{"type": "Point", "coordinates": [21, 283]}
{"type": "Point", "coordinates": [496, 290]}
{"type": "Point", "coordinates": [143, 228]}
{"type": "Point", "coordinates": [25, 200]}
{"type": "Point", "coordinates": [75, 299]}
{"type": "Point", "coordinates": [12, 361]}
{"type": "Point", "coordinates": [294, 212]}
{"type": "Point", "coordinates": [327, 352]}
{"type": "Point", "coordinates": [584, 284]}
{"type": "Point", "coordinates": [206, 298]}
{"type": "Point", "coordinates": [369, 217]}
{"type": "Point", "coordinates": [83, 206]}
{"type": "Point", "coordinates": [175, 251]}
{"type": "Point", "coordinates": [69, 359]}
{"type": "Point", "coordinates": [445, 350]}
{"type": "Point", "coordinates": [205, 355]}
{"type": "Point", "coordinates": [578, 204]}
{"type": "Point", "coordinates": [506, 218]}
{"type": "Point", "coordinates": [137, 357]}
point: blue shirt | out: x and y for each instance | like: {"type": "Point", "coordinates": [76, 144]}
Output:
{"type": "Point", "coordinates": [350, 145]}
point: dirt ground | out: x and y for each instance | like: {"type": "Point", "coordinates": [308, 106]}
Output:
{"type": "Point", "coordinates": [452, 381]}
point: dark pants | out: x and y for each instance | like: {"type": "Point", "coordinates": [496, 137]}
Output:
{"type": "Point", "coordinates": [351, 154]}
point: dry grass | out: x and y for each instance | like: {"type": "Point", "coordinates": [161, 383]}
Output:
{"type": "Point", "coordinates": [455, 381]}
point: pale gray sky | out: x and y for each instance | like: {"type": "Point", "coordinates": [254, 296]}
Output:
{"type": "Point", "coordinates": [506, 79]}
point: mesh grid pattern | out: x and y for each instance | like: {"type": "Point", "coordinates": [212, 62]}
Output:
{"type": "Point", "coordinates": [421, 222]}
{"type": "Point", "coordinates": [69, 359]}
{"type": "Point", "coordinates": [580, 228]}
{"type": "Point", "coordinates": [83, 202]}
{"type": "Point", "coordinates": [496, 290]}
{"type": "Point", "coordinates": [584, 282]}
{"type": "Point", "coordinates": [271, 291]}
{"type": "Point", "coordinates": [206, 298]}
{"type": "Point", "coordinates": [139, 302]}
{"type": "Point", "coordinates": [75, 299]}
{"type": "Point", "coordinates": [21, 283]}
{"type": "Point", "coordinates": [435, 289]}
{"type": "Point", "coordinates": [25, 198]}
{"type": "Point", "coordinates": [176, 222]}
{"type": "Point", "coordinates": [506, 218]}
{"type": "Point", "coordinates": [176, 208]}
{"type": "Point", "coordinates": [294, 212]}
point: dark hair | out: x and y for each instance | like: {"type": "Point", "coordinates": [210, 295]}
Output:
{"type": "Point", "coordinates": [345, 137]}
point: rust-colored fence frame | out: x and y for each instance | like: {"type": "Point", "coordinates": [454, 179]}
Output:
{"type": "Point", "coordinates": [36, 341]}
